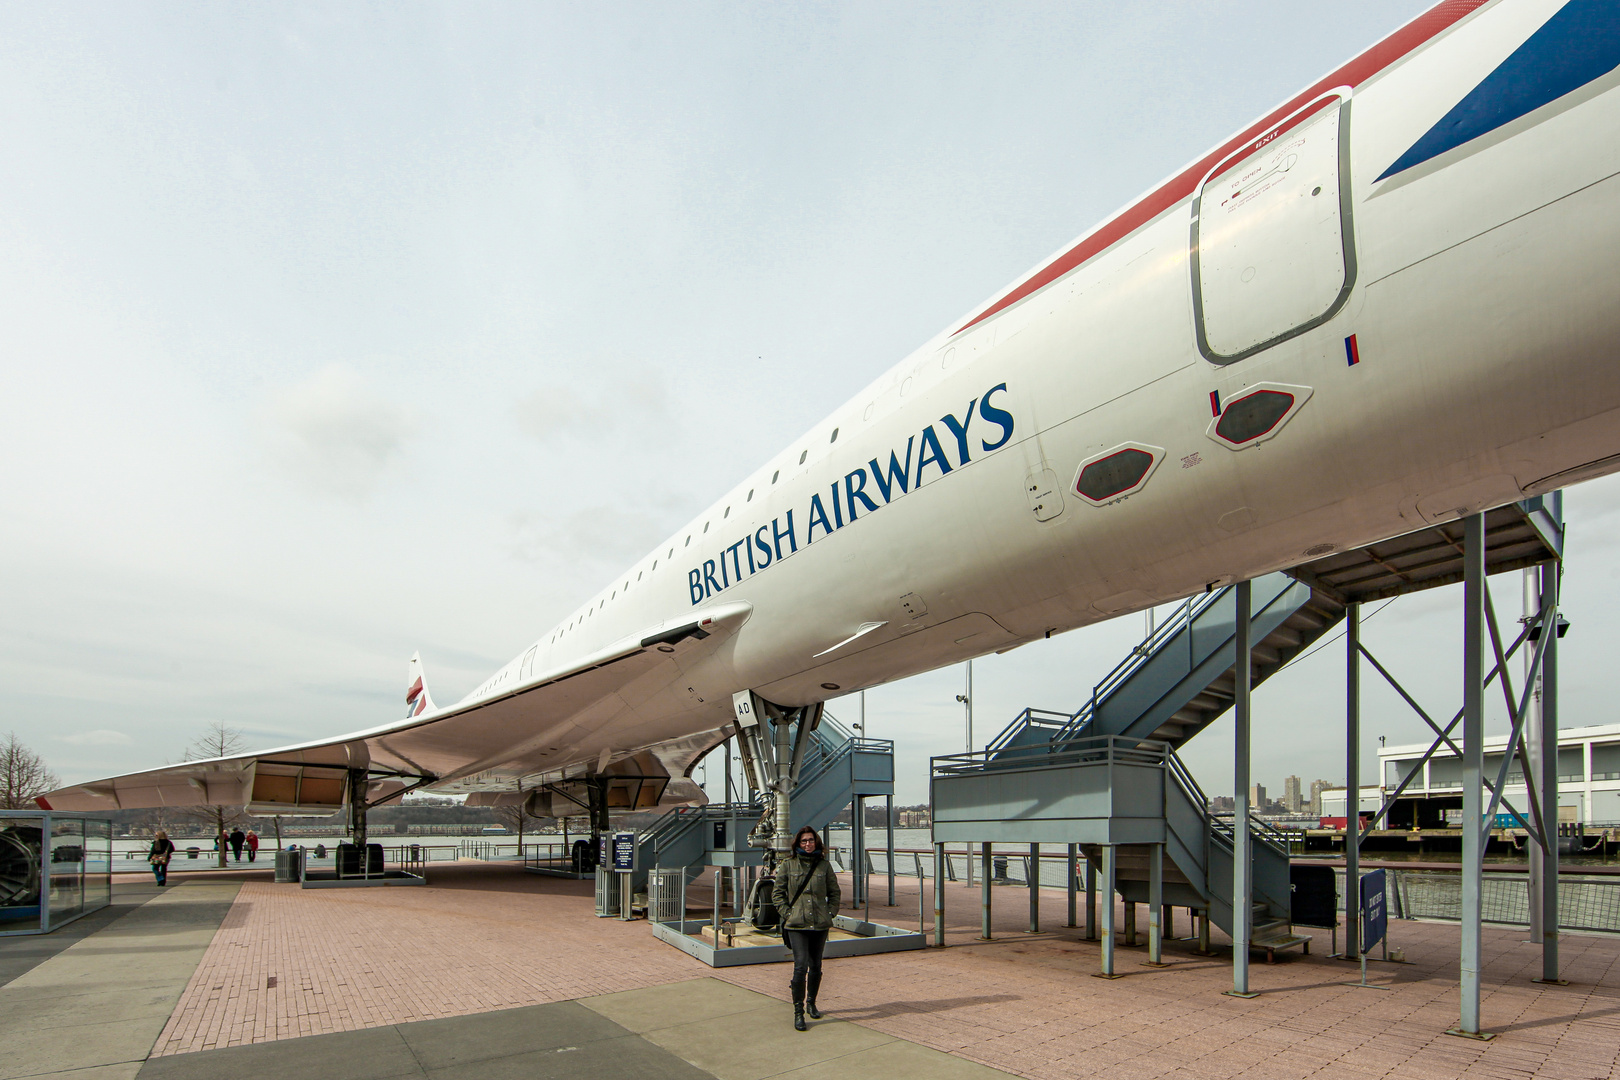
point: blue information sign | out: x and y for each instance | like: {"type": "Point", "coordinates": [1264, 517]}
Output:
{"type": "Point", "coordinates": [624, 852]}
{"type": "Point", "coordinates": [1374, 916]}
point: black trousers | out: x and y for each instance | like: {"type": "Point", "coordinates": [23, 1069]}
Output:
{"type": "Point", "coordinates": [807, 946]}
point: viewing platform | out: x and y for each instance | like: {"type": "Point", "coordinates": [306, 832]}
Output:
{"type": "Point", "coordinates": [488, 971]}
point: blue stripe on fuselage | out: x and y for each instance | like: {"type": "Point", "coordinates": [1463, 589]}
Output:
{"type": "Point", "coordinates": [1578, 44]}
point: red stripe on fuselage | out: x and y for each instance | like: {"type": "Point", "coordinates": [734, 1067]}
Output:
{"type": "Point", "coordinates": [1380, 56]}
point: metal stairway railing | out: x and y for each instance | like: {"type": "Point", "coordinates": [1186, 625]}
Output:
{"type": "Point", "coordinates": [679, 837]}
{"type": "Point", "coordinates": [1175, 682]}
{"type": "Point", "coordinates": [1201, 845]}
{"type": "Point", "coordinates": [1182, 619]}
{"type": "Point", "coordinates": [1172, 685]}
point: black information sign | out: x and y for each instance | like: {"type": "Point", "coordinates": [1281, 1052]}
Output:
{"type": "Point", "coordinates": [1374, 916]}
{"type": "Point", "coordinates": [624, 852]}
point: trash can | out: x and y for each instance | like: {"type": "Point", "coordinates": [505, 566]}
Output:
{"type": "Point", "coordinates": [192, 853]}
{"type": "Point", "coordinates": [288, 865]}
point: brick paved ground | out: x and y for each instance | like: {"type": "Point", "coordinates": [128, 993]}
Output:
{"type": "Point", "coordinates": [486, 937]}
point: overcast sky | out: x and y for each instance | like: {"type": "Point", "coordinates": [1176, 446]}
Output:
{"type": "Point", "coordinates": [338, 331]}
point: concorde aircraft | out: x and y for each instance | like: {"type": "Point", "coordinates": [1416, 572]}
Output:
{"type": "Point", "coordinates": [1392, 300]}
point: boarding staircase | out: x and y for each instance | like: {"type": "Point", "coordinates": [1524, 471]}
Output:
{"type": "Point", "coordinates": [1107, 773]}
{"type": "Point", "coordinates": [1184, 675]}
{"type": "Point", "coordinates": [837, 769]}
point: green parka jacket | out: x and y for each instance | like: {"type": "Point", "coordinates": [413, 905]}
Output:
{"type": "Point", "coordinates": [817, 903]}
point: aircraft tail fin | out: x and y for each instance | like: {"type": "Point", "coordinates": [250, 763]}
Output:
{"type": "Point", "coordinates": [417, 697]}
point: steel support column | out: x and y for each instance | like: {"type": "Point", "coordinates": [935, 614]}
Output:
{"type": "Point", "coordinates": [1352, 781]}
{"type": "Point", "coordinates": [1110, 869]}
{"type": "Point", "coordinates": [1034, 888]}
{"type": "Point", "coordinates": [1091, 899]}
{"type": "Point", "coordinates": [1242, 857]}
{"type": "Point", "coordinates": [1472, 771]}
{"type": "Point", "coordinates": [1531, 762]}
{"type": "Point", "coordinates": [1073, 885]}
{"type": "Point", "coordinates": [1155, 903]}
{"type": "Point", "coordinates": [984, 898]}
{"type": "Point", "coordinates": [939, 894]}
{"type": "Point", "coordinates": [857, 842]}
{"type": "Point", "coordinates": [888, 817]}
{"type": "Point", "coordinates": [1549, 775]}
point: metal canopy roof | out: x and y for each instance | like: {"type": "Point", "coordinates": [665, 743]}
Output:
{"type": "Point", "coordinates": [1516, 536]}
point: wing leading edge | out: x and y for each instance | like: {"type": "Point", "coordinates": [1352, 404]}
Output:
{"type": "Point", "coordinates": [550, 726]}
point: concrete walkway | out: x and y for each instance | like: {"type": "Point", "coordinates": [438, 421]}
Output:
{"type": "Point", "coordinates": [737, 1034]}
{"type": "Point", "coordinates": [94, 1000]}
{"type": "Point", "coordinates": [94, 1010]}
{"type": "Point", "coordinates": [490, 972]}
{"type": "Point", "coordinates": [701, 1029]}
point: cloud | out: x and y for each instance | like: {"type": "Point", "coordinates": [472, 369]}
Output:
{"type": "Point", "coordinates": [99, 737]}
{"type": "Point", "coordinates": [336, 434]}
{"type": "Point", "coordinates": [607, 534]}
{"type": "Point", "coordinates": [639, 399]}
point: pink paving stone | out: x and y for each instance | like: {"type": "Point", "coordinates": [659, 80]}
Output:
{"type": "Point", "coordinates": [484, 937]}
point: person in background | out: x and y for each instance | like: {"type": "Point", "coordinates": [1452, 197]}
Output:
{"type": "Point", "coordinates": [237, 839]}
{"type": "Point", "coordinates": [161, 851]}
{"type": "Point", "coordinates": [252, 845]}
{"type": "Point", "coordinates": [807, 898]}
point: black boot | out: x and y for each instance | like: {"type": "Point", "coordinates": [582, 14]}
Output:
{"type": "Point", "coordinates": [798, 1018]}
{"type": "Point", "coordinates": [814, 982]}
{"type": "Point", "coordinates": [810, 1009]}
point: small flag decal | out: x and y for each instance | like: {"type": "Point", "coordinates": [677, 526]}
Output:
{"type": "Point", "coordinates": [1215, 403]}
{"type": "Point", "coordinates": [1352, 353]}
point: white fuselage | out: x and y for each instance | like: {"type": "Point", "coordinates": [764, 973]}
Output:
{"type": "Point", "coordinates": [1480, 288]}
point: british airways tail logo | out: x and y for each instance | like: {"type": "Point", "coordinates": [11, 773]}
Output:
{"type": "Point", "coordinates": [863, 490]}
{"type": "Point", "coordinates": [1579, 43]}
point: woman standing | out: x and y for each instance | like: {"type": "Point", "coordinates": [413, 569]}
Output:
{"type": "Point", "coordinates": [161, 851]}
{"type": "Point", "coordinates": [806, 898]}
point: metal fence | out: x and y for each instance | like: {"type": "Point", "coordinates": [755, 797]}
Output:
{"type": "Point", "coordinates": [1584, 903]}
{"type": "Point", "coordinates": [666, 895]}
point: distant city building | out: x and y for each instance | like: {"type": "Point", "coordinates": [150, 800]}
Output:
{"type": "Point", "coordinates": [1291, 799]}
{"type": "Point", "coordinates": [1257, 796]}
{"type": "Point", "coordinates": [1222, 802]}
{"type": "Point", "coordinates": [1317, 787]}
{"type": "Point", "coordinates": [1588, 777]}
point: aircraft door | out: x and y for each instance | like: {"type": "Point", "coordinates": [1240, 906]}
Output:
{"type": "Point", "coordinates": [527, 668]}
{"type": "Point", "coordinates": [1273, 253]}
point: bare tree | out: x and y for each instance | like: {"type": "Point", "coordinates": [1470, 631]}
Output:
{"type": "Point", "coordinates": [23, 775]}
{"type": "Point", "coordinates": [514, 818]}
{"type": "Point", "coordinates": [218, 740]}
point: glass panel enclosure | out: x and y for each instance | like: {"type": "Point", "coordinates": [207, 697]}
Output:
{"type": "Point", "coordinates": [97, 863]}
{"type": "Point", "coordinates": [20, 860]}
{"type": "Point", "coordinates": [53, 868]}
{"type": "Point", "coordinates": [66, 869]}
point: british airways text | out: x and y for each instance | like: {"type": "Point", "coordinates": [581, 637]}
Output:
{"type": "Point", "coordinates": [858, 493]}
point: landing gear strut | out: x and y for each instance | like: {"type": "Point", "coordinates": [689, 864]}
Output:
{"type": "Point", "coordinates": [772, 740]}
